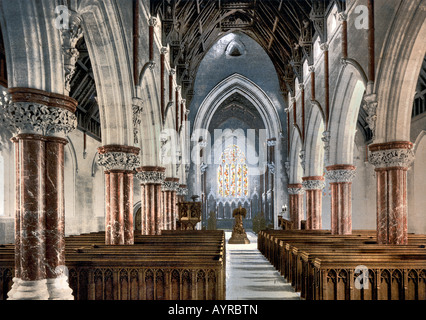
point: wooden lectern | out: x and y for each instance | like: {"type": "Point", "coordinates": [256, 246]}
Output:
{"type": "Point", "coordinates": [239, 235]}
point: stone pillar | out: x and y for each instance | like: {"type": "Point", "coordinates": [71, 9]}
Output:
{"type": "Point", "coordinates": [392, 160]}
{"type": "Point", "coordinates": [340, 178]}
{"type": "Point", "coordinates": [151, 179]}
{"type": "Point", "coordinates": [313, 187]}
{"type": "Point", "coordinates": [40, 120]}
{"type": "Point", "coordinates": [119, 162]}
{"type": "Point", "coordinates": [296, 192]}
{"type": "Point", "coordinates": [169, 188]}
{"type": "Point", "coordinates": [182, 192]}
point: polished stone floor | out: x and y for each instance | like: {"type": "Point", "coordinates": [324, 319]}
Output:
{"type": "Point", "coordinates": [250, 276]}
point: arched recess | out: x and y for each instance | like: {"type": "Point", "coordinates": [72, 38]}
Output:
{"type": "Point", "coordinates": [247, 88]}
{"type": "Point", "coordinates": [344, 112]}
{"type": "Point", "coordinates": [314, 146]}
{"type": "Point", "coordinates": [397, 73]}
{"type": "Point", "coordinates": [107, 45]}
{"type": "Point", "coordinates": [296, 170]}
{"type": "Point", "coordinates": [237, 83]}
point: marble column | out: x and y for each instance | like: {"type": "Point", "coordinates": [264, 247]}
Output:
{"type": "Point", "coordinates": [119, 162]}
{"type": "Point", "coordinates": [151, 179]}
{"type": "Point", "coordinates": [313, 187]}
{"type": "Point", "coordinates": [169, 188]}
{"type": "Point", "coordinates": [296, 192]}
{"type": "Point", "coordinates": [340, 178]}
{"type": "Point", "coordinates": [392, 161]}
{"type": "Point", "coordinates": [40, 121]}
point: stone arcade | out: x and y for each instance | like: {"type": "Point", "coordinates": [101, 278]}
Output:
{"type": "Point", "coordinates": [112, 112]}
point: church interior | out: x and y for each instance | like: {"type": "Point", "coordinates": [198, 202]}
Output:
{"type": "Point", "coordinates": [212, 149]}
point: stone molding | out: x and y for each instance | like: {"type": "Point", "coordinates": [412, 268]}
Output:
{"type": "Point", "coordinates": [182, 190]}
{"type": "Point", "coordinates": [271, 143]}
{"type": "Point", "coordinates": [391, 154]}
{"type": "Point", "coordinates": [313, 183]}
{"type": "Point", "coordinates": [340, 173]}
{"type": "Point", "coordinates": [48, 99]}
{"type": "Point", "coordinates": [118, 157]}
{"type": "Point", "coordinates": [151, 175]}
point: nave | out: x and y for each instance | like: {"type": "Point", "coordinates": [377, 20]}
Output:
{"type": "Point", "coordinates": [250, 276]}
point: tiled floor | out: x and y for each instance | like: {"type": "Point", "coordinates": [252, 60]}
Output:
{"type": "Point", "coordinates": [250, 276]}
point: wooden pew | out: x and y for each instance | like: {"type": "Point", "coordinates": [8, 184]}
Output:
{"type": "Point", "coordinates": [171, 266]}
{"type": "Point", "coordinates": [313, 263]}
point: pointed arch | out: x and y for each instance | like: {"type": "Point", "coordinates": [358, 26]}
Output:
{"type": "Point", "coordinates": [314, 146]}
{"type": "Point", "coordinates": [347, 98]}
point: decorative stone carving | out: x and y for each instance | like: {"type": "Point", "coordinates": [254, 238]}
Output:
{"type": "Point", "coordinates": [152, 21]}
{"type": "Point", "coordinates": [182, 191]}
{"type": "Point", "coordinates": [70, 37]}
{"type": "Point", "coordinates": [203, 167]}
{"type": "Point", "coordinates": [369, 104]}
{"type": "Point", "coordinates": [151, 177]}
{"type": "Point", "coordinates": [326, 139]}
{"type": "Point", "coordinates": [313, 184]}
{"type": "Point", "coordinates": [170, 186]}
{"type": "Point", "coordinates": [137, 108]}
{"type": "Point", "coordinates": [342, 16]}
{"type": "Point", "coordinates": [287, 168]}
{"type": "Point", "coordinates": [295, 189]}
{"type": "Point", "coordinates": [317, 16]}
{"type": "Point", "coordinates": [271, 143]}
{"type": "Point", "coordinates": [392, 158]}
{"type": "Point", "coordinates": [340, 175]}
{"type": "Point", "coordinates": [29, 117]}
{"type": "Point", "coordinates": [118, 161]}
{"type": "Point", "coordinates": [271, 167]}
{"type": "Point", "coordinates": [302, 159]}
{"type": "Point", "coordinates": [324, 46]}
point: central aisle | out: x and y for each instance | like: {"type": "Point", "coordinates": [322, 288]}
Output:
{"type": "Point", "coordinates": [250, 276]}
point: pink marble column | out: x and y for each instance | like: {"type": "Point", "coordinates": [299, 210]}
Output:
{"type": "Point", "coordinates": [392, 161]}
{"type": "Point", "coordinates": [296, 192]}
{"type": "Point", "coordinates": [313, 187]}
{"type": "Point", "coordinates": [340, 178]}
{"type": "Point", "coordinates": [41, 119]}
{"type": "Point", "coordinates": [119, 162]}
{"type": "Point", "coordinates": [170, 187]}
{"type": "Point", "coordinates": [151, 179]}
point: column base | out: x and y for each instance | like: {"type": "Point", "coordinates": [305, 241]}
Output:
{"type": "Point", "coordinates": [30, 290]}
{"type": "Point", "coordinates": [12, 291]}
{"type": "Point", "coordinates": [59, 289]}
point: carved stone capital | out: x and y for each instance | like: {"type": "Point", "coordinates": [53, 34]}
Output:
{"type": "Point", "coordinates": [152, 21]}
{"type": "Point", "coordinates": [271, 143]}
{"type": "Point", "coordinates": [170, 184]}
{"type": "Point", "coordinates": [342, 16]}
{"type": "Point", "coordinates": [118, 157]}
{"type": "Point", "coordinates": [392, 154]}
{"type": "Point", "coordinates": [182, 190]}
{"type": "Point", "coordinates": [340, 173]}
{"type": "Point", "coordinates": [324, 46]}
{"type": "Point", "coordinates": [151, 175]}
{"type": "Point", "coordinates": [35, 117]}
{"type": "Point", "coordinates": [313, 183]}
{"type": "Point", "coordinates": [296, 189]}
{"type": "Point", "coordinates": [271, 167]}
{"type": "Point", "coordinates": [163, 50]}
{"type": "Point", "coordinates": [311, 69]}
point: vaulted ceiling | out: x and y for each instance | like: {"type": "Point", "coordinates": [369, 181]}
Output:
{"type": "Point", "coordinates": [284, 28]}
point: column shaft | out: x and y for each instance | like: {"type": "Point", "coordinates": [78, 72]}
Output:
{"type": "Point", "coordinates": [392, 161]}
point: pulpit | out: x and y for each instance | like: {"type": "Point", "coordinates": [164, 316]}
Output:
{"type": "Point", "coordinates": [239, 235]}
{"type": "Point", "coordinates": [189, 215]}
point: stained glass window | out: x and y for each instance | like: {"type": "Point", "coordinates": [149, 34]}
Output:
{"type": "Point", "coordinates": [232, 173]}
